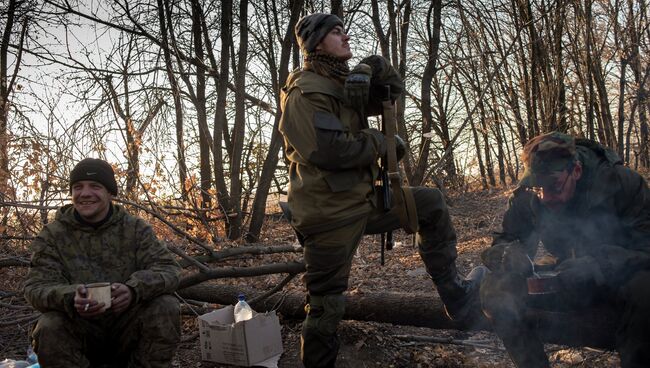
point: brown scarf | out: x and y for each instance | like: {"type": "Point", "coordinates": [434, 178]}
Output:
{"type": "Point", "coordinates": [326, 65]}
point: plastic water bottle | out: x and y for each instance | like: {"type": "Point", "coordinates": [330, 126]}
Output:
{"type": "Point", "coordinates": [32, 358]}
{"type": "Point", "coordinates": [242, 311]}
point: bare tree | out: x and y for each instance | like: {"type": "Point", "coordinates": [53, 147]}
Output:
{"type": "Point", "coordinates": [433, 24]}
{"type": "Point", "coordinates": [235, 223]}
{"type": "Point", "coordinates": [15, 27]}
{"type": "Point", "coordinates": [288, 43]}
{"type": "Point", "coordinates": [166, 26]}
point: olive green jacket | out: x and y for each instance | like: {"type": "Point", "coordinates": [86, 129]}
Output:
{"type": "Point", "coordinates": [124, 249]}
{"type": "Point", "coordinates": [332, 154]}
{"type": "Point", "coordinates": [608, 218]}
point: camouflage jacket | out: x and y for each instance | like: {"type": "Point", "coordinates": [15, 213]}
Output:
{"type": "Point", "coordinates": [608, 218]}
{"type": "Point", "coordinates": [124, 249]}
{"type": "Point", "coordinates": [332, 154]}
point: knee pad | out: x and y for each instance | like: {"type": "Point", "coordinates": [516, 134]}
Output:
{"type": "Point", "coordinates": [325, 313]}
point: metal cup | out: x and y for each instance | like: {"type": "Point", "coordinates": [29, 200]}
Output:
{"type": "Point", "coordinates": [100, 292]}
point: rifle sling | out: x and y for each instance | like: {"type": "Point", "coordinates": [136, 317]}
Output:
{"type": "Point", "coordinates": [402, 197]}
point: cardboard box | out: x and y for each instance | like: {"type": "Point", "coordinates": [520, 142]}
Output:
{"type": "Point", "coordinates": [244, 343]}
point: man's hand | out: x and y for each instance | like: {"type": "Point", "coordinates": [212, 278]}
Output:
{"type": "Point", "coordinates": [577, 272]}
{"type": "Point", "coordinates": [493, 257]}
{"type": "Point", "coordinates": [508, 257]}
{"type": "Point", "coordinates": [121, 296]}
{"type": "Point", "coordinates": [87, 308]}
{"type": "Point", "coordinates": [357, 86]}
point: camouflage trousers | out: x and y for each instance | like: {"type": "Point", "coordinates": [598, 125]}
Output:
{"type": "Point", "coordinates": [328, 258]}
{"type": "Point", "coordinates": [505, 302]}
{"type": "Point", "coordinates": [145, 335]}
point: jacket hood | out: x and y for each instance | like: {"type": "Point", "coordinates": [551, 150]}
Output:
{"type": "Point", "coordinates": [310, 82]}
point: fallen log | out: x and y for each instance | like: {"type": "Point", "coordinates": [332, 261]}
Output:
{"type": "Point", "coordinates": [594, 328]}
{"type": "Point", "coordinates": [226, 272]}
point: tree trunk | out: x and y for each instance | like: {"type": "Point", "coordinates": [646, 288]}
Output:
{"type": "Point", "coordinates": [434, 24]}
{"type": "Point", "coordinates": [477, 144]}
{"type": "Point", "coordinates": [233, 226]}
{"type": "Point", "coordinates": [640, 82]}
{"type": "Point", "coordinates": [621, 110]}
{"type": "Point", "coordinates": [400, 106]}
{"type": "Point", "coordinates": [220, 118]}
{"type": "Point", "coordinates": [205, 167]}
{"type": "Point", "coordinates": [5, 91]}
{"type": "Point", "coordinates": [481, 166]}
{"type": "Point", "coordinates": [593, 328]}
{"type": "Point", "coordinates": [271, 160]}
{"type": "Point", "coordinates": [489, 164]}
{"type": "Point", "coordinates": [163, 16]}
{"type": "Point", "coordinates": [536, 65]}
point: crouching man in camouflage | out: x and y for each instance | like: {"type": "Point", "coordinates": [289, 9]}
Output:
{"type": "Point", "coordinates": [93, 240]}
{"type": "Point", "coordinates": [592, 215]}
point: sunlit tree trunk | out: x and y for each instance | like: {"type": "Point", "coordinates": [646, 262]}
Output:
{"type": "Point", "coordinates": [434, 23]}
{"type": "Point", "coordinates": [220, 118]}
{"type": "Point", "coordinates": [7, 81]}
{"type": "Point", "coordinates": [164, 19]}
{"type": "Point", "coordinates": [271, 160]}
{"type": "Point", "coordinates": [199, 100]}
{"type": "Point", "coordinates": [233, 226]}
{"type": "Point", "coordinates": [640, 77]}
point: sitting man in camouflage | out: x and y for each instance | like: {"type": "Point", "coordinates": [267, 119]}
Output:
{"type": "Point", "coordinates": [592, 215]}
{"type": "Point", "coordinates": [93, 240]}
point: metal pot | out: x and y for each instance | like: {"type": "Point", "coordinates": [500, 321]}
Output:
{"type": "Point", "coordinates": [543, 283]}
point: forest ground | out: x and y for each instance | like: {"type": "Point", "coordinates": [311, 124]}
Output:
{"type": "Point", "coordinates": [364, 344]}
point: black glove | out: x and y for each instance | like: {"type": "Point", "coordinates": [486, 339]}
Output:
{"type": "Point", "coordinates": [576, 273]}
{"type": "Point", "coordinates": [357, 86]}
{"type": "Point", "coordinates": [508, 257]}
{"type": "Point", "coordinates": [382, 74]}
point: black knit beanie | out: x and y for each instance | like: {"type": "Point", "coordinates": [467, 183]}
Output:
{"type": "Point", "coordinates": [96, 170]}
{"type": "Point", "coordinates": [311, 29]}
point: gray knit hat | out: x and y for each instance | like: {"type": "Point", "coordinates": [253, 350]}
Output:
{"type": "Point", "coordinates": [96, 170]}
{"type": "Point", "coordinates": [311, 29]}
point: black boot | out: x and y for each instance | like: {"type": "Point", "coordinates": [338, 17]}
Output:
{"type": "Point", "coordinates": [461, 297]}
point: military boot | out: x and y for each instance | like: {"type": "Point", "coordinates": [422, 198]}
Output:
{"type": "Point", "coordinates": [526, 351]}
{"type": "Point", "coordinates": [461, 297]}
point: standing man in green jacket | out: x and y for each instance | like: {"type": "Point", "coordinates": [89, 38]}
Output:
{"type": "Point", "coordinates": [93, 240]}
{"type": "Point", "coordinates": [333, 156]}
{"type": "Point", "coordinates": [592, 214]}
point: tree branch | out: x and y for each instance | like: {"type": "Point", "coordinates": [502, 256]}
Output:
{"type": "Point", "coordinates": [225, 272]}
